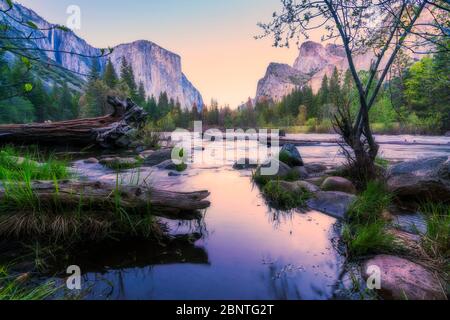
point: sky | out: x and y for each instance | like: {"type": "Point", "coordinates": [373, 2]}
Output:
{"type": "Point", "coordinates": [215, 38]}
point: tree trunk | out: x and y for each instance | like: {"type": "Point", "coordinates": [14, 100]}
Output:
{"type": "Point", "coordinates": [106, 197]}
{"type": "Point", "coordinates": [106, 131]}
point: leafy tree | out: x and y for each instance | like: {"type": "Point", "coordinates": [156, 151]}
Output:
{"type": "Point", "coordinates": [353, 24]}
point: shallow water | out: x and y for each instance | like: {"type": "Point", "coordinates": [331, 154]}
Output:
{"type": "Point", "coordinates": [245, 250]}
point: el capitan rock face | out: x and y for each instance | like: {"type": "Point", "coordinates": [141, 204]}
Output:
{"type": "Point", "coordinates": [159, 69]}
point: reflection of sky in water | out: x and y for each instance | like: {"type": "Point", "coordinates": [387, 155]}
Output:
{"type": "Point", "coordinates": [247, 252]}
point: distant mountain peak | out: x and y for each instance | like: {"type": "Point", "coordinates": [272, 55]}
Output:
{"type": "Point", "coordinates": [157, 68]}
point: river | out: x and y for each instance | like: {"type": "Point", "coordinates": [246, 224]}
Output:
{"type": "Point", "coordinates": [245, 250]}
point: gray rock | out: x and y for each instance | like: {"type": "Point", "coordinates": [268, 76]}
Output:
{"type": "Point", "coordinates": [335, 204]}
{"type": "Point", "coordinates": [120, 163]}
{"type": "Point", "coordinates": [338, 184]}
{"type": "Point", "coordinates": [167, 165]}
{"type": "Point", "coordinates": [283, 170]}
{"type": "Point", "coordinates": [153, 158]}
{"type": "Point", "coordinates": [447, 134]}
{"type": "Point", "coordinates": [402, 279]}
{"type": "Point", "coordinates": [295, 159]}
{"type": "Point", "coordinates": [302, 172]}
{"type": "Point", "coordinates": [91, 161]}
{"type": "Point", "coordinates": [421, 180]}
{"type": "Point", "coordinates": [299, 185]}
{"type": "Point", "coordinates": [244, 164]}
{"type": "Point", "coordinates": [315, 168]}
{"type": "Point", "coordinates": [413, 223]}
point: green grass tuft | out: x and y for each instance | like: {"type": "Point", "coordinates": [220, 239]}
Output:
{"type": "Point", "coordinates": [370, 204]}
{"type": "Point", "coordinates": [12, 289]}
{"type": "Point", "coordinates": [365, 230]}
{"type": "Point", "coordinates": [367, 239]}
{"type": "Point", "coordinates": [437, 240]}
{"type": "Point", "coordinates": [284, 199]}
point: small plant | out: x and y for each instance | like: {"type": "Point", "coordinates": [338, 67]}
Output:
{"type": "Point", "coordinates": [367, 238]}
{"type": "Point", "coordinates": [262, 180]}
{"type": "Point", "coordinates": [150, 136]}
{"type": "Point", "coordinates": [285, 199]}
{"type": "Point", "coordinates": [370, 204]}
{"type": "Point", "coordinates": [382, 162]}
{"type": "Point", "coordinates": [365, 230]}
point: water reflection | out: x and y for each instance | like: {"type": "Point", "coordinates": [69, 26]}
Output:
{"type": "Point", "coordinates": [244, 250]}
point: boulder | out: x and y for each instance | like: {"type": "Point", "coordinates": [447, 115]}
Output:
{"type": "Point", "coordinates": [290, 155]}
{"type": "Point", "coordinates": [167, 165]}
{"type": "Point", "coordinates": [316, 180]}
{"type": "Point", "coordinates": [245, 163]}
{"type": "Point", "coordinates": [315, 168]}
{"type": "Point", "coordinates": [120, 163]}
{"type": "Point", "coordinates": [91, 161]}
{"type": "Point", "coordinates": [153, 158]}
{"type": "Point", "coordinates": [335, 204]}
{"type": "Point", "coordinates": [421, 180]}
{"type": "Point", "coordinates": [402, 279]}
{"type": "Point", "coordinates": [283, 169]}
{"type": "Point", "coordinates": [302, 172]}
{"type": "Point", "coordinates": [447, 134]}
{"type": "Point", "coordinates": [338, 184]}
{"type": "Point", "coordinates": [298, 185]}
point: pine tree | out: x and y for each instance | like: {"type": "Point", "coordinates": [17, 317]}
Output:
{"type": "Point", "coordinates": [324, 91]}
{"type": "Point", "coordinates": [66, 108]}
{"type": "Point", "coordinates": [335, 88]}
{"type": "Point", "coordinates": [142, 94]}
{"type": "Point", "coordinates": [40, 100]}
{"type": "Point", "coordinates": [110, 75]}
{"type": "Point", "coordinates": [127, 76]}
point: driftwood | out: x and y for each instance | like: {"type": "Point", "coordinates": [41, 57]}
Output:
{"type": "Point", "coordinates": [105, 131]}
{"type": "Point", "coordinates": [99, 196]}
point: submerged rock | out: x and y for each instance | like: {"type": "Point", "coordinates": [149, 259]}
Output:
{"type": "Point", "coordinates": [315, 168]}
{"type": "Point", "coordinates": [302, 172]}
{"type": "Point", "coordinates": [402, 279]}
{"type": "Point", "coordinates": [299, 185]}
{"type": "Point", "coordinates": [335, 204]}
{"type": "Point", "coordinates": [91, 161]}
{"type": "Point", "coordinates": [290, 155]}
{"type": "Point", "coordinates": [167, 165]}
{"type": "Point", "coordinates": [283, 170]}
{"type": "Point", "coordinates": [421, 180]}
{"type": "Point", "coordinates": [338, 184]}
{"type": "Point", "coordinates": [120, 163]}
{"type": "Point", "coordinates": [155, 157]}
{"type": "Point", "coordinates": [245, 163]}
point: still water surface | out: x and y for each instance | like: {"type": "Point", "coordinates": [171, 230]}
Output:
{"type": "Point", "coordinates": [246, 250]}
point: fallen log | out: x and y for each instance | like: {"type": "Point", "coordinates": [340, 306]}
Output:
{"type": "Point", "coordinates": [106, 132]}
{"type": "Point", "coordinates": [105, 197]}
